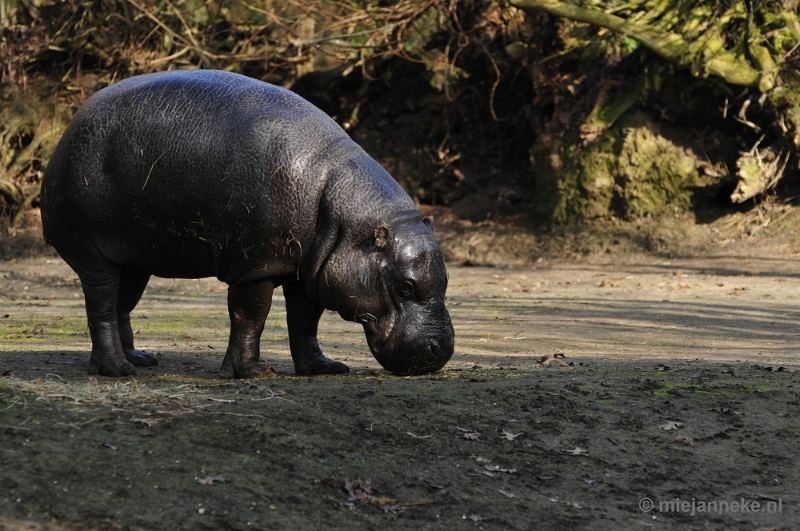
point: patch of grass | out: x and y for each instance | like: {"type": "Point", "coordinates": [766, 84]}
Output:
{"type": "Point", "coordinates": [716, 389]}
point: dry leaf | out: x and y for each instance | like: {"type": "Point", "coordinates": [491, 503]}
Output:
{"type": "Point", "coordinates": [210, 480]}
{"type": "Point", "coordinates": [578, 451]}
{"type": "Point", "coordinates": [357, 491]}
{"type": "Point", "coordinates": [507, 494]}
{"type": "Point", "coordinates": [383, 502]}
{"type": "Point", "coordinates": [671, 425]}
{"type": "Point", "coordinates": [146, 421]}
{"type": "Point", "coordinates": [365, 492]}
{"type": "Point", "coordinates": [685, 440]}
{"type": "Point", "coordinates": [470, 434]}
{"type": "Point", "coordinates": [552, 358]}
{"type": "Point", "coordinates": [510, 436]}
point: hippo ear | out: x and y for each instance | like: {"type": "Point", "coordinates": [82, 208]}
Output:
{"type": "Point", "coordinates": [427, 220]}
{"type": "Point", "coordinates": [383, 235]}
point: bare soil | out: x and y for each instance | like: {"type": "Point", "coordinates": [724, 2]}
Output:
{"type": "Point", "coordinates": [664, 379]}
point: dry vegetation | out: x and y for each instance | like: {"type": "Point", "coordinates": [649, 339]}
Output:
{"type": "Point", "coordinates": [497, 112]}
{"type": "Point", "coordinates": [55, 55]}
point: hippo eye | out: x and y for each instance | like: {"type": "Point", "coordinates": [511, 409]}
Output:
{"type": "Point", "coordinates": [407, 289]}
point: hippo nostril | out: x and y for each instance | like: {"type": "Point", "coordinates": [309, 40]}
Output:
{"type": "Point", "coordinates": [434, 346]}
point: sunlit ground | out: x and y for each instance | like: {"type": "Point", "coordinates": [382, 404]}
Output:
{"type": "Point", "coordinates": [722, 309]}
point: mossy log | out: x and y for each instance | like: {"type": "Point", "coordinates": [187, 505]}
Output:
{"type": "Point", "coordinates": [605, 112]}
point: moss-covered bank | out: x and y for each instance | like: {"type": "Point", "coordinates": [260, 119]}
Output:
{"type": "Point", "coordinates": [631, 170]}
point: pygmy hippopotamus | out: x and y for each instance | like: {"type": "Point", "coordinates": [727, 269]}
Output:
{"type": "Point", "coordinates": [194, 174]}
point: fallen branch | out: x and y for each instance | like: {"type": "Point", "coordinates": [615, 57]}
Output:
{"type": "Point", "coordinates": [705, 56]}
{"type": "Point", "coordinates": [11, 191]}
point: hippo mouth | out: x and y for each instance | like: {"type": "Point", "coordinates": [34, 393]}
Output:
{"type": "Point", "coordinates": [377, 336]}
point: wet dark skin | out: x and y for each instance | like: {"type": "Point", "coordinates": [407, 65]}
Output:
{"type": "Point", "coordinates": [204, 173]}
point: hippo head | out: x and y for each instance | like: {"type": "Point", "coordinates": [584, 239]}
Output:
{"type": "Point", "coordinates": [394, 283]}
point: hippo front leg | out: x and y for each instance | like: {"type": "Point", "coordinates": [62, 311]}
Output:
{"type": "Point", "coordinates": [248, 306]}
{"type": "Point", "coordinates": [302, 319]}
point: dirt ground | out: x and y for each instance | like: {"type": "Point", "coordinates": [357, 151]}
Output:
{"type": "Point", "coordinates": [666, 400]}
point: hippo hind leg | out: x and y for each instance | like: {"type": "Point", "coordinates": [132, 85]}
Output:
{"type": "Point", "coordinates": [302, 317]}
{"type": "Point", "coordinates": [132, 285]}
{"type": "Point", "coordinates": [248, 307]}
{"type": "Point", "coordinates": [100, 289]}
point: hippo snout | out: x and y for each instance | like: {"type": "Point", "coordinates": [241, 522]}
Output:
{"type": "Point", "coordinates": [413, 350]}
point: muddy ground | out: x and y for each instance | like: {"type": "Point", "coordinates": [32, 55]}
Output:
{"type": "Point", "coordinates": [670, 380]}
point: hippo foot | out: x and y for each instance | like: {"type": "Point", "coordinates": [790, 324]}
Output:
{"type": "Point", "coordinates": [110, 367]}
{"type": "Point", "coordinates": [319, 365]}
{"type": "Point", "coordinates": [246, 372]}
{"type": "Point", "coordinates": [140, 358]}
